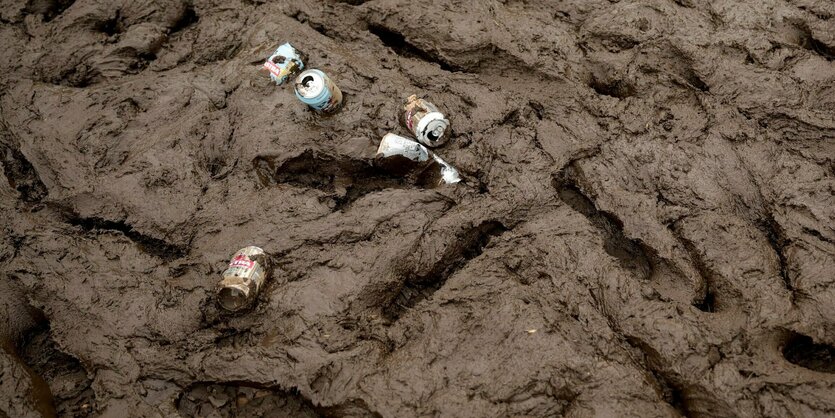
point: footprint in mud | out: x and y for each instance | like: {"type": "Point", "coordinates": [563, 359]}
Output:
{"type": "Point", "coordinates": [50, 9]}
{"type": "Point", "coordinates": [95, 43]}
{"type": "Point", "coordinates": [21, 175]}
{"type": "Point", "coordinates": [244, 399]}
{"type": "Point", "coordinates": [467, 246]}
{"type": "Point", "coordinates": [801, 350]}
{"type": "Point", "coordinates": [344, 179]}
{"type": "Point", "coordinates": [227, 400]}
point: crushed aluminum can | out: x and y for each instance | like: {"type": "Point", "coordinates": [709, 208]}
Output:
{"type": "Point", "coordinates": [243, 279]}
{"type": "Point", "coordinates": [315, 89]}
{"type": "Point", "coordinates": [283, 63]}
{"type": "Point", "coordinates": [403, 156]}
{"type": "Point", "coordinates": [425, 121]}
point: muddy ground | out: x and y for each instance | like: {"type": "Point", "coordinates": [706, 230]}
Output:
{"type": "Point", "coordinates": [646, 225]}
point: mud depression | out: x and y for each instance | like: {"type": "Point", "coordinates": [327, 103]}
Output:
{"type": "Point", "coordinates": [645, 226]}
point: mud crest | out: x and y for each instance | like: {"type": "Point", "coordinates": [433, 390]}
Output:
{"type": "Point", "coordinates": [646, 225]}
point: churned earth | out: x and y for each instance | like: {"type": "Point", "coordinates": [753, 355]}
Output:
{"type": "Point", "coordinates": [646, 225]}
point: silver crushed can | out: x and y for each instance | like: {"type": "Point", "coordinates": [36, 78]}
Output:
{"type": "Point", "coordinates": [315, 89]}
{"type": "Point", "coordinates": [425, 121]}
{"type": "Point", "coordinates": [243, 279]}
{"type": "Point", "coordinates": [405, 157]}
{"type": "Point", "coordinates": [284, 62]}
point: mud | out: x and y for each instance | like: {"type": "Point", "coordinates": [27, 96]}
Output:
{"type": "Point", "coordinates": [646, 225]}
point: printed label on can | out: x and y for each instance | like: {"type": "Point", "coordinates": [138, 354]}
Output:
{"type": "Point", "coordinates": [242, 260]}
{"type": "Point", "coordinates": [409, 122]}
{"type": "Point", "coordinates": [276, 70]}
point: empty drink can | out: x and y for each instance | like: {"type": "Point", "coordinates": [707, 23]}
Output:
{"type": "Point", "coordinates": [315, 89]}
{"type": "Point", "coordinates": [243, 279]}
{"type": "Point", "coordinates": [403, 156]}
{"type": "Point", "coordinates": [283, 63]}
{"type": "Point", "coordinates": [425, 121]}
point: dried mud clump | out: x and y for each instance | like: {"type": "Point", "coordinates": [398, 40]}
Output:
{"type": "Point", "coordinates": [646, 224]}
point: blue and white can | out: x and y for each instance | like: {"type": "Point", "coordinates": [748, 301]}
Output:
{"type": "Point", "coordinates": [315, 89]}
{"type": "Point", "coordinates": [283, 63]}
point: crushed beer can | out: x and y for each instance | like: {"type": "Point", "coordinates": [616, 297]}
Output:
{"type": "Point", "coordinates": [243, 279]}
{"type": "Point", "coordinates": [315, 89]}
{"type": "Point", "coordinates": [285, 62]}
{"type": "Point", "coordinates": [425, 121]}
{"type": "Point", "coordinates": [403, 156]}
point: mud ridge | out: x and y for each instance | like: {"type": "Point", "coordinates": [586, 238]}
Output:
{"type": "Point", "coordinates": [470, 245]}
{"type": "Point", "coordinates": [240, 398]}
{"type": "Point", "coordinates": [302, 17]}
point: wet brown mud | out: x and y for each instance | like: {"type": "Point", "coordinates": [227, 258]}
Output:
{"type": "Point", "coordinates": [645, 227]}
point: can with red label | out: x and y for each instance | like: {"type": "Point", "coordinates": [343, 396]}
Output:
{"type": "Point", "coordinates": [425, 121]}
{"type": "Point", "coordinates": [243, 279]}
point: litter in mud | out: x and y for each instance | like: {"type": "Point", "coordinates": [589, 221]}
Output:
{"type": "Point", "coordinates": [646, 184]}
{"type": "Point", "coordinates": [243, 279]}
{"type": "Point", "coordinates": [284, 63]}
{"type": "Point", "coordinates": [425, 121]}
{"type": "Point", "coordinates": [404, 156]}
{"type": "Point", "coordinates": [315, 89]}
